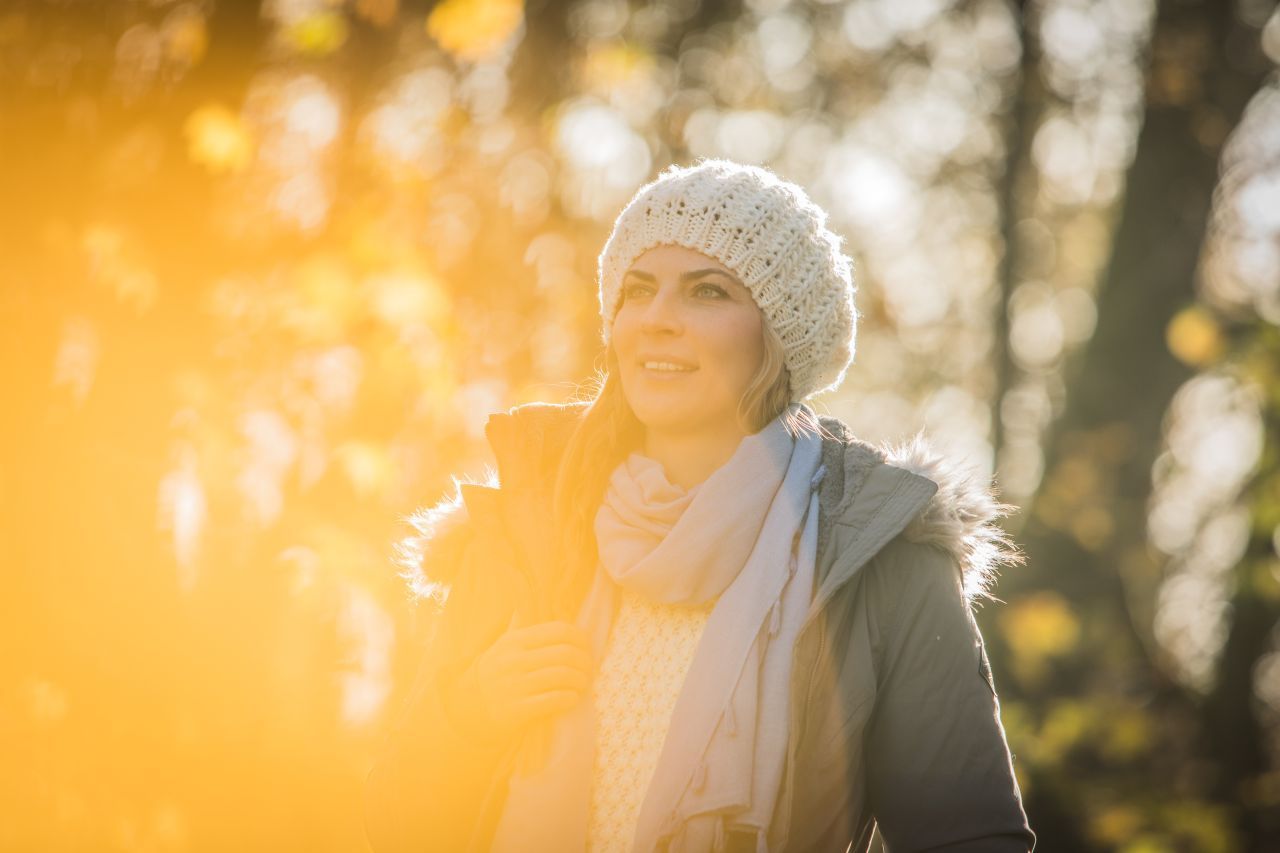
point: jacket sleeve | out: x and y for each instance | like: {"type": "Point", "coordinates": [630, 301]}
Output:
{"type": "Point", "coordinates": [428, 782]}
{"type": "Point", "coordinates": [939, 772]}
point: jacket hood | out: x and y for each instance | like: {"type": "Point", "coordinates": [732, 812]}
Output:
{"type": "Point", "coordinates": [960, 518]}
{"type": "Point", "coordinates": [428, 557]}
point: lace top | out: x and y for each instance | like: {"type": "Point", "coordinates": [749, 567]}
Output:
{"type": "Point", "coordinates": [650, 647]}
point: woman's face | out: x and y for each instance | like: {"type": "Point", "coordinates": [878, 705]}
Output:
{"type": "Point", "coordinates": [680, 306]}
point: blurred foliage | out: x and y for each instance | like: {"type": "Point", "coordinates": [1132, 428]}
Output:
{"type": "Point", "coordinates": [265, 268]}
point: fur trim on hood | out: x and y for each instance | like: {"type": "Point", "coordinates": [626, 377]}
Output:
{"type": "Point", "coordinates": [960, 518]}
{"type": "Point", "coordinates": [429, 556]}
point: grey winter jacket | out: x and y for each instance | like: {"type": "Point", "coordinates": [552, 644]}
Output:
{"type": "Point", "coordinates": [896, 716]}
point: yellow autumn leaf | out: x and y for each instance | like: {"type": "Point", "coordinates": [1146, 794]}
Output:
{"type": "Point", "coordinates": [611, 65]}
{"type": "Point", "coordinates": [367, 466]}
{"type": "Point", "coordinates": [1127, 732]}
{"type": "Point", "coordinates": [217, 139]}
{"type": "Point", "coordinates": [1148, 843]}
{"type": "Point", "coordinates": [323, 301]}
{"type": "Point", "coordinates": [1065, 725]}
{"type": "Point", "coordinates": [319, 34]}
{"type": "Point", "coordinates": [474, 29]}
{"type": "Point", "coordinates": [1115, 824]}
{"type": "Point", "coordinates": [1194, 337]}
{"type": "Point", "coordinates": [1201, 826]}
{"type": "Point", "coordinates": [1039, 627]}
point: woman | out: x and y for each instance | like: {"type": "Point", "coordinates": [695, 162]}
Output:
{"type": "Point", "coordinates": [690, 614]}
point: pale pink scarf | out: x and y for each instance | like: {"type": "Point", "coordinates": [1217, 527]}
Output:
{"type": "Point", "coordinates": [747, 535]}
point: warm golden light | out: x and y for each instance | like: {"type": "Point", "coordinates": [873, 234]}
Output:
{"type": "Point", "coordinates": [269, 268]}
{"type": "Point", "coordinates": [217, 139]}
{"type": "Point", "coordinates": [474, 29]}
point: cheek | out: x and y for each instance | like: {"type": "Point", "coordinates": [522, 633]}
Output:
{"type": "Point", "coordinates": [738, 344]}
{"type": "Point", "coordinates": [620, 332]}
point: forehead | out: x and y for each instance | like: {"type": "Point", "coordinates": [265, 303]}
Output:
{"type": "Point", "coordinates": [674, 260]}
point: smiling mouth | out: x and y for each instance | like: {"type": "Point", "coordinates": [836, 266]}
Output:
{"type": "Point", "coordinates": [666, 373]}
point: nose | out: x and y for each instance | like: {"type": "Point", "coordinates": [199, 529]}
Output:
{"type": "Point", "coordinates": [662, 313]}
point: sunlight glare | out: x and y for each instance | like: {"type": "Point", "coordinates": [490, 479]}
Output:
{"type": "Point", "coordinates": [608, 160]}
{"type": "Point", "coordinates": [182, 512]}
{"type": "Point", "coordinates": [271, 448]}
{"type": "Point", "coordinates": [76, 359]}
{"type": "Point", "coordinates": [367, 632]}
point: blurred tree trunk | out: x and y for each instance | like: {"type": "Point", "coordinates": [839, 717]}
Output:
{"type": "Point", "coordinates": [1086, 530]}
{"type": "Point", "coordinates": [1018, 135]}
{"type": "Point", "coordinates": [541, 73]}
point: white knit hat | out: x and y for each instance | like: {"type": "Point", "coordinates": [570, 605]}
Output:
{"type": "Point", "coordinates": [771, 235]}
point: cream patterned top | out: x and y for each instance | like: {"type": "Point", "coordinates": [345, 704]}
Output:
{"type": "Point", "coordinates": [649, 650]}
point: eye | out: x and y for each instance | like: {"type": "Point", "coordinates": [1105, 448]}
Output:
{"type": "Point", "coordinates": [629, 290]}
{"type": "Point", "coordinates": [714, 288]}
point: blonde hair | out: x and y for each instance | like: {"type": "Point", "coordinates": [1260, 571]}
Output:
{"type": "Point", "coordinates": [609, 431]}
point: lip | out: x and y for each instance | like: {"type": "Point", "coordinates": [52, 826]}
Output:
{"type": "Point", "coordinates": [665, 375]}
{"type": "Point", "coordinates": [670, 359]}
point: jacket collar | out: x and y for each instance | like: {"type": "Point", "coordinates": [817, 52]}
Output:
{"type": "Point", "coordinates": [872, 491]}
{"type": "Point", "coordinates": [913, 489]}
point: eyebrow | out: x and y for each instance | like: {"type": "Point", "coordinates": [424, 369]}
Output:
{"type": "Point", "coordinates": [685, 276]}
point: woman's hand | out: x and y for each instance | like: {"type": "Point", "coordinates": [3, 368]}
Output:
{"type": "Point", "coordinates": [527, 674]}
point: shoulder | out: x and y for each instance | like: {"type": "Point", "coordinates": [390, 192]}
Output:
{"type": "Point", "coordinates": [962, 518]}
{"type": "Point", "coordinates": [958, 525]}
{"type": "Point", "coordinates": [430, 553]}
{"type": "Point", "coordinates": [540, 419]}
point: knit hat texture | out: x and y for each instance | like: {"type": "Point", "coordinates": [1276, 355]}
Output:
{"type": "Point", "coordinates": [771, 235]}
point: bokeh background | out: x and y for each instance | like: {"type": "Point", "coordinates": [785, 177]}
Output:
{"type": "Point", "coordinates": [265, 268]}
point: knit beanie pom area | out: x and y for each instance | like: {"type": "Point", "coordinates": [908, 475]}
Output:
{"type": "Point", "coordinates": [771, 235]}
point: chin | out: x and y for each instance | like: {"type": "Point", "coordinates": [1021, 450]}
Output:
{"type": "Point", "coordinates": [672, 408]}
{"type": "Point", "coordinates": [664, 419]}
{"type": "Point", "coordinates": [670, 414]}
